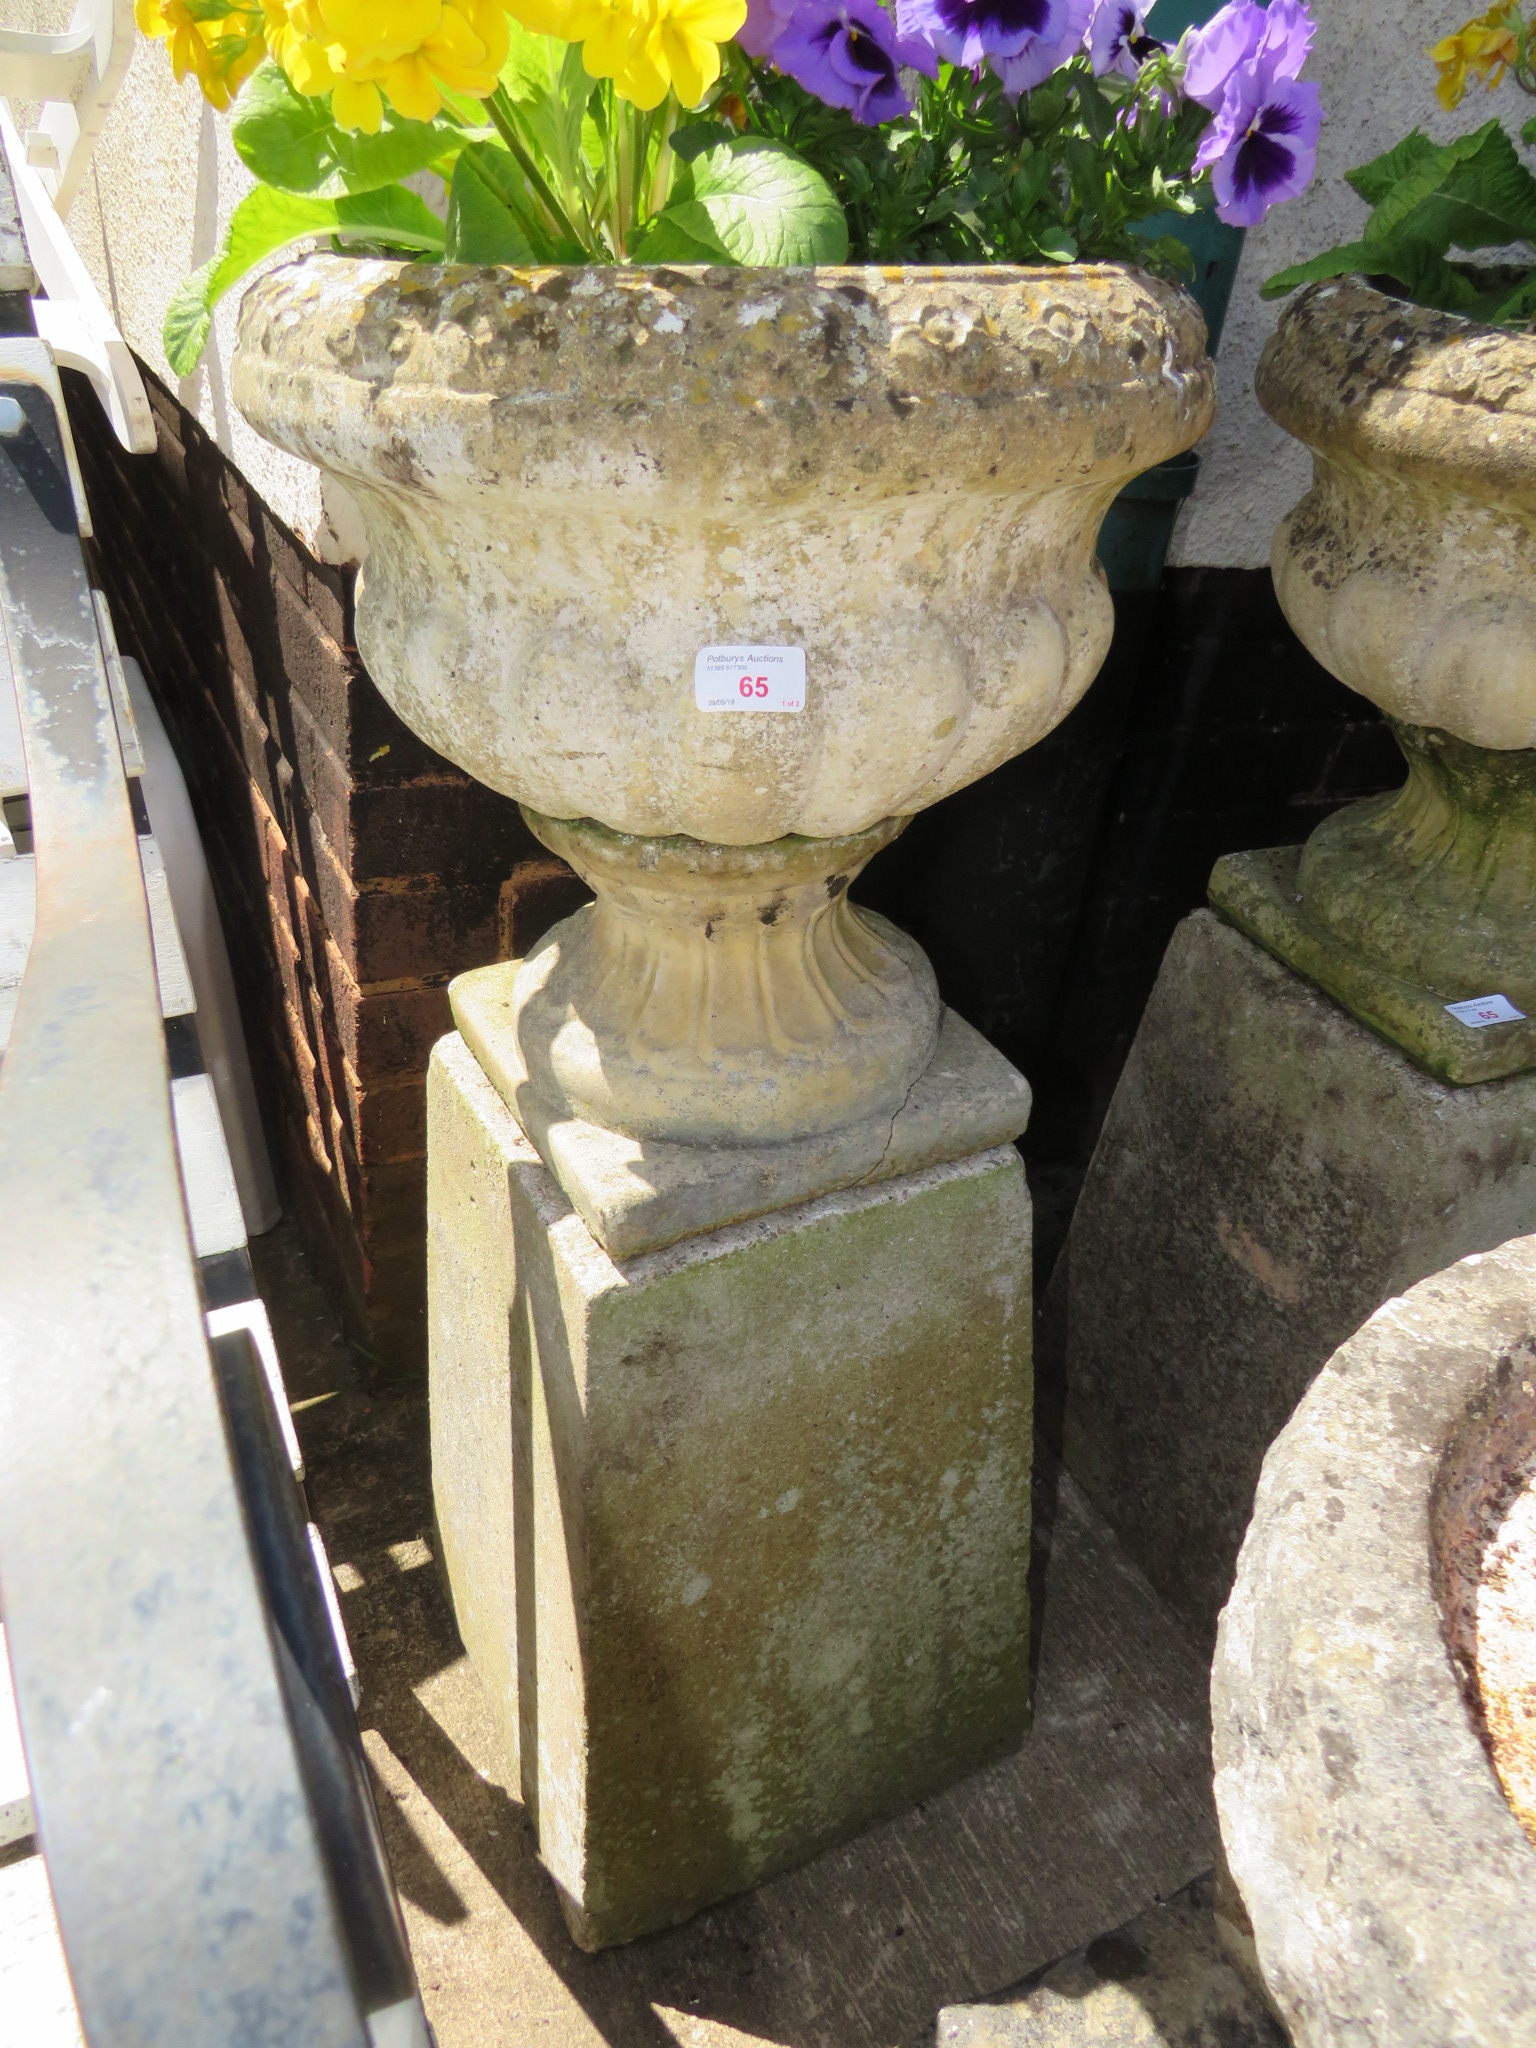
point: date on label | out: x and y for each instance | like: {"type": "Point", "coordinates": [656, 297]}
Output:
{"type": "Point", "coordinates": [1481, 1011]}
{"type": "Point", "coordinates": [749, 679]}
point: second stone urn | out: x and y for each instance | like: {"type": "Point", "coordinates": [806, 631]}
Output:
{"type": "Point", "coordinates": [1409, 571]}
{"type": "Point", "coordinates": [723, 574]}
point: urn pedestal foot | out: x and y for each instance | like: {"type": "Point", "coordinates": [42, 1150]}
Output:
{"type": "Point", "coordinates": [737, 1531]}
{"type": "Point", "coordinates": [721, 1034]}
{"type": "Point", "coordinates": [721, 994]}
{"type": "Point", "coordinates": [1401, 905]}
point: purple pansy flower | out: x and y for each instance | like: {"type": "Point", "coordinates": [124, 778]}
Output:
{"type": "Point", "coordinates": [1044, 54]}
{"type": "Point", "coordinates": [1261, 146]}
{"type": "Point", "coordinates": [1244, 33]}
{"type": "Point", "coordinates": [848, 53]}
{"type": "Point", "coordinates": [1026, 40]}
{"type": "Point", "coordinates": [766, 21]}
{"type": "Point", "coordinates": [1118, 40]}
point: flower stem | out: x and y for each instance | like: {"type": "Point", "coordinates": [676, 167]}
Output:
{"type": "Point", "coordinates": [661, 176]}
{"type": "Point", "coordinates": [500, 109]}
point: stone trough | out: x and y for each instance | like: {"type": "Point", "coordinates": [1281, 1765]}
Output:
{"type": "Point", "coordinates": [1374, 1692]}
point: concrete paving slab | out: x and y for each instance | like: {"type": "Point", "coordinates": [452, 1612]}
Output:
{"type": "Point", "coordinates": [1161, 1981]}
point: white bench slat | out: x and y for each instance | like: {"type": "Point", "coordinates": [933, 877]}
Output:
{"type": "Point", "coordinates": [213, 1202]}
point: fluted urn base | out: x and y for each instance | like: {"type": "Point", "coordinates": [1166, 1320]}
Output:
{"type": "Point", "coordinates": [722, 995]}
{"type": "Point", "coordinates": [722, 1034]}
{"type": "Point", "coordinates": [1401, 906]}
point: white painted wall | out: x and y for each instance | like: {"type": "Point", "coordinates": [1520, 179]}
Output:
{"type": "Point", "coordinates": [165, 180]}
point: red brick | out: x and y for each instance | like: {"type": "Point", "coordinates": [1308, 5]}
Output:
{"type": "Point", "coordinates": [355, 870]}
{"type": "Point", "coordinates": [534, 898]}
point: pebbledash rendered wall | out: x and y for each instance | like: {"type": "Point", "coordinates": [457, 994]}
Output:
{"type": "Point", "coordinates": [357, 871]}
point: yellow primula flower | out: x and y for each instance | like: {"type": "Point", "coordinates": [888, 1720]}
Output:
{"type": "Point", "coordinates": [1487, 45]}
{"type": "Point", "coordinates": [405, 52]}
{"type": "Point", "coordinates": [221, 52]}
{"type": "Point", "coordinates": [689, 34]}
{"type": "Point", "coordinates": [650, 47]}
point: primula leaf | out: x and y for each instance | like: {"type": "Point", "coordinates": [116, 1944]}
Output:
{"type": "Point", "coordinates": [549, 90]}
{"type": "Point", "coordinates": [532, 69]}
{"type": "Point", "coordinates": [1373, 181]}
{"type": "Point", "coordinates": [1494, 196]}
{"type": "Point", "coordinates": [682, 233]}
{"type": "Point", "coordinates": [749, 201]}
{"type": "Point", "coordinates": [1430, 198]}
{"type": "Point", "coordinates": [1422, 274]}
{"type": "Point", "coordinates": [482, 225]}
{"type": "Point", "coordinates": [290, 141]}
{"type": "Point", "coordinates": [1430, 175]}
{"type": "Point", "coordinates": [1338, 262]}
{"type": "Point", "coordinates": [1426, 277]}
{"type": "Point", "coordinates": [1474, 193]}
{"type": "Point", "coordinates": [266, 220]}
{"type": "Point", "coordinates": [694, 137]}
{"type": "Point", "coordinates": [475, 235]}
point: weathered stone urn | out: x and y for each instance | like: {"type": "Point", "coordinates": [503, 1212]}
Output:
{"type": "Point", "coordinates": [1409, 571]}
{"type": "Point", "coordinates": [723, 574]}
{"type": "Point", "coordinates": [573, 482]}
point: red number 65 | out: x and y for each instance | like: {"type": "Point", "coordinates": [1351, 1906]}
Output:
{"type": "Point", "coordinates": [753, 686]}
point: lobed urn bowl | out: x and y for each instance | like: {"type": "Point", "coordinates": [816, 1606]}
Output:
{"type": "Point", "coordinates": [1409, 571]}
{"type": "Point", "coordinates": [577, 483]}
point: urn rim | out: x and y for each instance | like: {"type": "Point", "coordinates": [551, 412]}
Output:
{"type": "Point", "coordinates": [1359, 373]}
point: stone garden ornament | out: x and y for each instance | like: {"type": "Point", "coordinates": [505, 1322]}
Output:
{"type": "Point", "coordinates": [1409, 369]}
{"type": "Point", "coordinates": [731, 492]}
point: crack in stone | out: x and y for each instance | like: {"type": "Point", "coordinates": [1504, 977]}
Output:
{"type": "Point", "coordinates": [873, 1174]}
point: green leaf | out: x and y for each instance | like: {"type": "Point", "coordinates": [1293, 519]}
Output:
{"type": "Point", "coordinates": [682, 233]}
{"type": "Point", "coordinates": [483, 226]}
{"type": "Point", "coordinates": [1528, 131]}
{"type": "Point", "coordinates": [752, 201]}
{"type": "Point", "coordinates": [1426, 277]}
{"type": "Point", "coordinates": [292, 143]}
{"type": "Point", "coordinates": [1057, 246]}
{"type": "Point", "coordinates": [1423, 274]}
{"type": "Point", "coordinates": [1473, 193]}
{"type": "Point", "coordinates": [1373, 181]}
{"type": "Point", "coordinates": [1518, 307]}
{"type": "Point", "coordinates": [694, 137]}
{"type": "Point", "coordinates": [1341, 261]}
{"type": "Point", "coordinates": [550, 93]}
{"type": "Point", "coordinates": [1169, 254]}
{"type": "Point", "coordinates": [533, 65]}
{"type": "Point", "coordinates": [1098, 116]}
{"type": "Point", "coordinates": [1430, 174]}
{"type": "Point", "coordinates": [267, 220]}
{"type": "Point", "coordinates": [1494, 196]}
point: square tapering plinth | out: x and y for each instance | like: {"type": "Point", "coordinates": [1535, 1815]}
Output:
{"type": "Point", "coordinates": [737, 1531]}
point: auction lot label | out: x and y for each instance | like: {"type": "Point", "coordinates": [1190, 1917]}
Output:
{"type": "Point", "coordinates": [749, 679]}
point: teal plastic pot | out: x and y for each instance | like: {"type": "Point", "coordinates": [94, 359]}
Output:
{"type": "Point", "coordinates": [1133, 541]}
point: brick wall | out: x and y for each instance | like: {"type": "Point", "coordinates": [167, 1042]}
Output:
{"type": "Point", "coordinates": [356, 871]}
